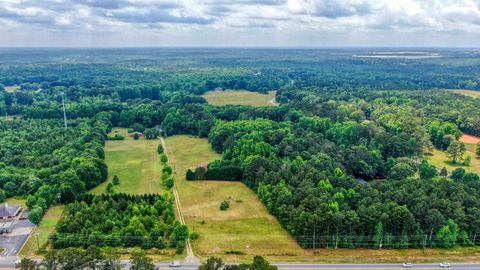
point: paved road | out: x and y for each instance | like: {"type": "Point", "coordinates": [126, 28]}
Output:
{"type": "Point", "coordinates": [12, 242]}
{"type": "Point", "coordinates": [8, 262]}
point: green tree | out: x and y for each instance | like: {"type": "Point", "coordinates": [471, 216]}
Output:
{"type": "Point", "coordinates": [259, 263]}
{"type": "Point", "coordinates": [28, 264]}
{"type": "Point", "coordinates": [427, 171]}
{"type": "Point", "coordinates": [35, 216]}
{"type": "Point", "coordinates": [109, 188]}
{"type": "Point", "coordinates": [164, 158]}
{"type": "Point", "coordinates": [400, 171]}
{"type": "Point", "coordinates": [224, 205]}
{"type": "Point", "coordinates": [136, 136]}
{"type": "Point", "coordinates": [140, 261]}
{"type": "Point", "coordinates": [212, 263]}
{"type": "Point", "coordinates": [2, 195]}
{"type": "Point", "coordinates": [115, 180]}
{"type": "Point", "coordinates": [448, 234]}
{"type": "Point", "coordinates": [455, 151]}
{"type": "Point", "coordinates": [378, 236]}
{"type": "Point", "coordinates": [477, 152]}
{"type": "Point", "coordinates": [160, 149]}
{"type": "Point", "coordinates": [444, 172]}
{"type": "Point", "coordinates": [151, 133]}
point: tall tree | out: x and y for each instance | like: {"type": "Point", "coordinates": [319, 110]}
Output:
{"type": "Point", "coordinates": [456, 150]}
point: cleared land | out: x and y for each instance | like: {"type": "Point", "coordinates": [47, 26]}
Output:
{"type": "Point", "coordinates": [44, 229]}
{"type": "Point", "coordinates": [440, 160]}
{"type": "Point", "coordinates": [469, 139]}
{"type": "Point", "coordinates": [470, 93]}
{"type": "Point", "coordinates": [17, 200]}
{"type": "Point", "coordinates": [135, 162]}
{"type": "Point", "coordinates": [231, 97]}
{"type": "Point", "coordinates": [12, 89]}
{"type": "Point", "coordinates": [245, 227]}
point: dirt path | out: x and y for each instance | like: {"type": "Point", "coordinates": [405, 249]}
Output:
{"type": "Point", "coordinates": [470, 139]}
{"type": "Point", "coordinates": [190, 256]}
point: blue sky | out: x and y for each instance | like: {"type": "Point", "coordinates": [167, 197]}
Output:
{"type": "Point", "coordinates": [239, 23]}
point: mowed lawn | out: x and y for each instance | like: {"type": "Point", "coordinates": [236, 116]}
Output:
{"type": "Point", "coordinates": [245, 227]}
{"type": "Point", "coordinates": [135, 162]}
{"type": "Point", "coordinates": [440, 160]}
{"type": "Point", "coordinates": [231, 97]}
{"type": "Point", "coordinates": [43, 230]}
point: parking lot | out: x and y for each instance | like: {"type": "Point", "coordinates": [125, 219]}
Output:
{"type": "Point", "coordinates": [14, 240]}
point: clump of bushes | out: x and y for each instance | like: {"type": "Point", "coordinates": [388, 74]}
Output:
{"type": "Point", "coordinates": [224, 205]}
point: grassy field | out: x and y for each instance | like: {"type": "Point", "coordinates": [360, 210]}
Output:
{"type": "Point", "coordinates": [440, 160]}
{"type": "Point", "coordinates": [135, 162]}
{"type": "Point", "coordinates": [231, 97]}
{"type": "Point", "coordinates": [245, 227]}
{"type": "Point", "coordinates": [11, 89]}
{"type": "Point", "coordinates": [470, 93]}
{"type": "Point", "coordinates": [44, 229]}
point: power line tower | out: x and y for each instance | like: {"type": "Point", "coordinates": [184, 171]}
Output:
{"type": "Point", "coordinates": [64, 114]}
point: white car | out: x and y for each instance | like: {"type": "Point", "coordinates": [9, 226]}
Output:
{"type": "Point", "coordinates": [407, 265]}
{"type": "Point", "coordinates": [17, 263]}
{"type": "Point", "coordinates": [175, 264]}
{"type": "Point", "coordinates": [445, 265]}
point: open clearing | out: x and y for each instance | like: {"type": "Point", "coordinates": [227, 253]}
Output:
{"type": "Point", "coordinates": [11, 89]}
{"type": "Point", "coordinates": [135, 162]}
{"type": "Point", "coordinates": [470, 93]}
{"type": "Point", "coordinates": [245, 227]}
{"type": "Point", "coordinates": [231, 97]}
{"type": "Point", "coordinates": [44, 229]}
{"type": "Point", "coordinates": [469, 139]}
{"type": "Point", "coordinates": [440, 160]}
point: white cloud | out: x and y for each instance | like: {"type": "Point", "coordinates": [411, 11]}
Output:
{"type": "Point", "coordinates": [290, 22]}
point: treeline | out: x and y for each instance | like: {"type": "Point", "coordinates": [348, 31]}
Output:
{"type": "Point", "coordinates": [308, 173]}
{"type": "Point", "coordinates": [47, 163]}
{"type": "Point", "coordinates": [121, 220]}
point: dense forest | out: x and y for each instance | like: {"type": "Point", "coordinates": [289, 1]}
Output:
{"type": "Point", "coordinates": [341, 162]}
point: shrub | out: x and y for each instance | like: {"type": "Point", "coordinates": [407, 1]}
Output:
{"type": "Point", "coordinates": [194, 235]}
{"type": "Point", "coordinates": [169, 183]}
{"type": "Point", "coordinates": [109, 188]}
{"type": "Point", "coordinates": [224, 205]}
{"type": "Point", "coordinates": [115, 180]}
{"type": "Point", "coordinates": [160, 149]}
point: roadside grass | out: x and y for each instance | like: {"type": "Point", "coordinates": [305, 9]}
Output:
{"type": "Point", "coordinates": [231, 97]}
{"type": "Point", "coordinates": [469, 93]}
{"type": "Point", "coordinates": [17, 200]}
{"type": "Point", "coordinates": [246, 227]}
{"type": "Point", "coordinates": [44, 230]}
{"type": "Point", "coordinates": [135, 162]}
{"type": "Point", "coordinates": [440, 160]}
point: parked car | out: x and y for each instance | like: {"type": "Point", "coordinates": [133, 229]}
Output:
{"type": "Point", "coordinates": [445, 265]}
{"type": "Point", "coordinates": [407, 265]}
{"type": "Point", "coordinates": [17, 263]}
{"type": "Point", "coordinates": [175, 264]}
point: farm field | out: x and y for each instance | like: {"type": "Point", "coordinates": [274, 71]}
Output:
{"type": "Point", "coordinates": [44, 229]}
{"type": "Point", "coordinates": [246, 227]}
{"type": "Point", "coordinates": [470, 93]}
{"type": "Point", "coordinates": [135, 162]}
{"type": "Point", "coordinates": [231, 97]}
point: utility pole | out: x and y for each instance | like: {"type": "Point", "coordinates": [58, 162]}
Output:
{"type": "Point", "coordinates": [64, 114]}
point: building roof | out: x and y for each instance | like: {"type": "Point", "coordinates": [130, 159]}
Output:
{"type": "Point", "coordinates": [9, 210]}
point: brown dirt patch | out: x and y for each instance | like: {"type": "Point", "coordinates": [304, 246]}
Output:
{"type": "Point", "coordinates": [470, 139]}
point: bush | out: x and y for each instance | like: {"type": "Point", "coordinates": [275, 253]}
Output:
{"type": "Point", "coordinates": [115, 180]}
{"type": "Point", "coordinates": [224, 205]}
{"type": "Point", "coordinates": [116, 137]}
{"type": "Point", "coordinates": [35, 215]}
{"type": "Point", "coordinates": [151, 133]}
{"type": "Point", "coordinates": [164, 158]}
{"type": "Point", "coordinates": [194, 235]}
{"type": "Point", "coordinates": [160, 149]}
{"type": "Point", "coordinates": [167, 169]}
{"type": "Point", "coordinates": [2, 195]}
{"type": "Point", "coordinates": [169, 183]}
{"type": "Point", "coordinates": [109, 188]}
{"type": "Point", "coordinates": [190, 175]}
